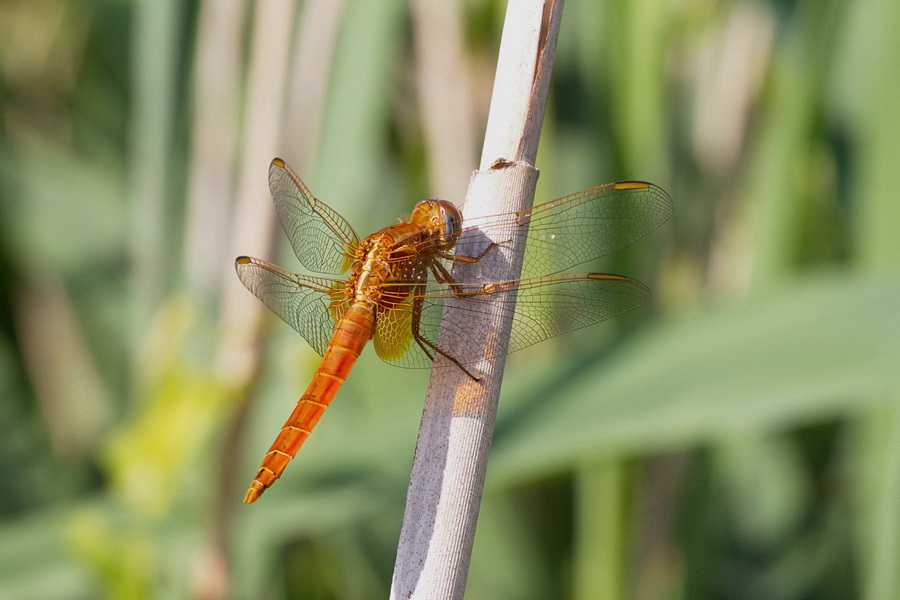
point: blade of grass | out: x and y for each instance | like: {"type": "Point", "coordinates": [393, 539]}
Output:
{"type": "Point", "coordinates": [600, 536]}
{"type": "Point", "coordinates": [155, 47]}
{"type": "Point", "coordinates": [869, 62]}
{"type": "Point", "coordinates": [807, 353]}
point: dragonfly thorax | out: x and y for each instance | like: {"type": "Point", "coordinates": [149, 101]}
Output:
{"type": "Point", "coordinates": [370, 269]}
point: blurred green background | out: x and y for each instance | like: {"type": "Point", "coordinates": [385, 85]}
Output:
{"type": "Point", "coordinates": [737, 438]}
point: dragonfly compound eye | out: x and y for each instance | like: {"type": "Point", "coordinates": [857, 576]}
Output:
{"type": "Point", "coordinates": [442, 217]}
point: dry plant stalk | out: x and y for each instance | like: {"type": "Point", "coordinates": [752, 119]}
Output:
{"type": "Point", "coordinates": [458, 420]}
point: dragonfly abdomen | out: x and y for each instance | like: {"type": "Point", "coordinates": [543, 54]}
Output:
{"type": "Point", "coordinates": [351, 333]}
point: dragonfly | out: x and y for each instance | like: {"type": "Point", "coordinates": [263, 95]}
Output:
{"type": "Point", "coordinates": [398, 280]}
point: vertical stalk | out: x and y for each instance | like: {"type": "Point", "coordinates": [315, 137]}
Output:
{"type": "Point", "coordinates": [599, 538]}
{"type": "Point", "coordinates": [216, 89]}
{"type": "Point", "coordinates": [457, 423]}
{"type": "Point", "coordinates": [442, 82]}
{"type": "Point", "coordinates": [238, 357]}
{"type": "Point", "coordinates": [877, 119]}
{"type": "Point", "coordinates": [155, 46]}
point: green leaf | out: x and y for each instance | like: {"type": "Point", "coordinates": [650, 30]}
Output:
{"type": "Point", "coordinates": [823, 348]}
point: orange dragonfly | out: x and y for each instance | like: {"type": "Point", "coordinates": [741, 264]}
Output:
{"type": "Point", "coordinates": [400, 278]}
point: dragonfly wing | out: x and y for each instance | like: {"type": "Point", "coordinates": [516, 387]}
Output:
{"type": "Point", "coordinates": [393, 340]}
{"type": "Point", "coordinates": [311, 305]}
{"type": "Point", "coordinates": [550, 306]}
{"type": "Point", "coordinates": [322, 240]}
{"type": "Point", "coordinates": [544, 307]}
{"type": "Point", "coordinates": [578, 228]}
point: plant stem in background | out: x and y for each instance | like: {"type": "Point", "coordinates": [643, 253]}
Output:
{"type": "Point", "coordinates": [155, 51]}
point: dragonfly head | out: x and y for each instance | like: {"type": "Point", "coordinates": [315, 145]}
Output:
{"type": "Point", "coordinates": [442, 218]}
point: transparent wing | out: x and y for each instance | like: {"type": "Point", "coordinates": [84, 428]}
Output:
{"type": "Point", "coordinates": [544, 307]}
{"type": "Point", "coordinates": [393, 339]}
{"type": "Point", "coordinates": [311, 305]}
{"type": "Point", "coordinates": [577, 228]}
{"type": "Point", "coordinates": [560, 234]}
{"type": "Point", "coordinates": [322, 240]}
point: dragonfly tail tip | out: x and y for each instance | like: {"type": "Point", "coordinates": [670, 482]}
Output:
{"type": "Point", "coordinates": [253, 493]}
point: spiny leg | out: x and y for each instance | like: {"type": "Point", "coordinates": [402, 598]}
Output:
{"type": "Point", "coordinates": [424, 343]}
{"type": "Point", "coordinates": [471, 259]}
{"type": "Point", "coordinates": [443, 276]}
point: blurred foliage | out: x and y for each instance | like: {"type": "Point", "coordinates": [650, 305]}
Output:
{"type": "Point", "coordinates": [739, 438]}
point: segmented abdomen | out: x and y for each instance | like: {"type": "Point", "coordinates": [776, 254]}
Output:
{"type": "Point", "coordinates": [351, 333]}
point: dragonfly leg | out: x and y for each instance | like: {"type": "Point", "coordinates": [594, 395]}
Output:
{"type": "Point", "coordinates": [471, 259]}
{"type": "Point", "coordinates": [425, 344]}
{"type": "Point", "coordinates": [443, 276]}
